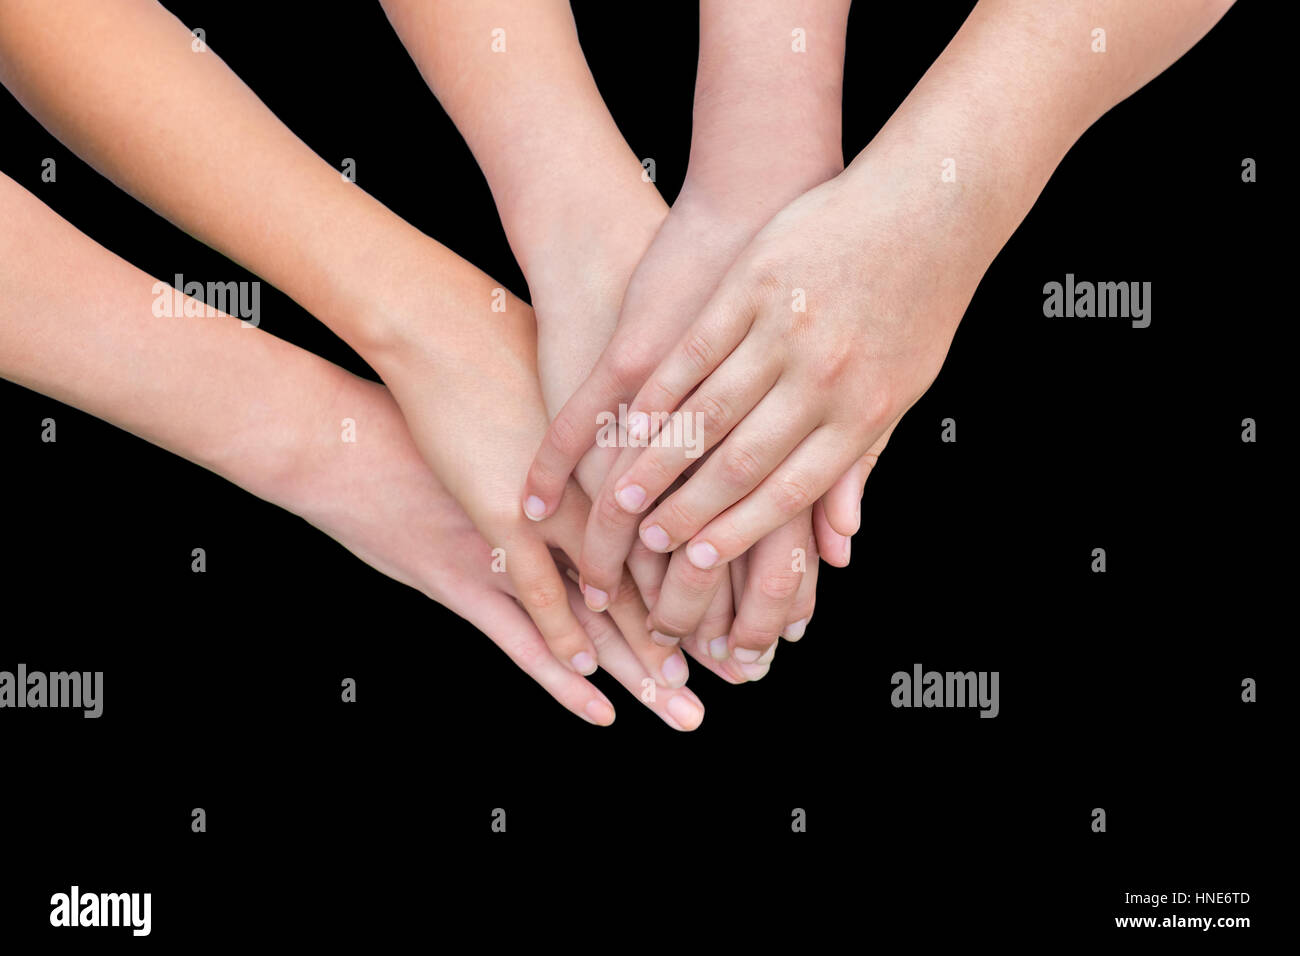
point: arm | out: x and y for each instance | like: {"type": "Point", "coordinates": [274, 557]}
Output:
{"type": "Point", "coordinates": [77, 323]}
{"type": "Point", "coordinates": [838, 315]}
{"type": "Point", "coordinates": [403, 301]}
{"type": "Point", "coordinates": [766, 128]}
{"type": "Point", "coordinates": [574, 204]}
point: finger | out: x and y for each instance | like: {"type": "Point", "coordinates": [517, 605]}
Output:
{"type": "Point", "coordinates": [843, 502]}
{"type": "Point", "coordinates": [716, 331]}
{"type": "Point", "coordinates": [702, 422]}
{"type": "Point", "coordinates": [749, 454]}
{"type": "Point", "coordinates": [833, 546]}
{"type": "Point", "coordinates": [607, 541]}
{"type": "Point", "coordinates": [510, 629]}
{"type": "Point", "coordinates": [659, 655]}
{"type": "Point", "coordinates": [679, 708]}
{"type": "Point", "coordinates": [776, 570]}
{"type": "Point", "coordinates": [800, 613]}
{"type": "Point", "coordinates": [541, 591]}
{"type": "Point", "coordinates": [712, 636]}
{"type": "Point", "coordinates": [648, 570]}
{"type": "Point", "coordinates": [686, 596]}
{"type": "Point", "coordinates": [794, 486]}
{"type": "Point", "coordinates": [572, 432]}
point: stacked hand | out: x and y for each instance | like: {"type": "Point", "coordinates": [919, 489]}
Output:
{"type": "Point", "coordinates": [760, 341]}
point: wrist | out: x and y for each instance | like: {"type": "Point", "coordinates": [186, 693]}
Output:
{"type": "Point", "coordinates": [578, 195]}
{"type": "Point", "coordinates": [768, 98]}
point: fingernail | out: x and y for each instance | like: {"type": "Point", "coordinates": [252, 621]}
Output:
{"type": "Point", "coordinates": [655, 538]}
{"type": "Point", "coordinates": [663, 640]}
{"type": "Point", "coordinates": [847, 545]}
{"type": "Point", "coordinates": [755, 672]}
{"type": "Point", "coordinates": [583, 663]}
{"type": "Point", "coordinates": [718, 648]}
{"type": "Point", "coordinates": [638, 426]}
{"type": "Point", "coordinates": [631, 498]}
{"type": "Point", "coordinates": [535, 508]}
{"type": "Point", "coordinates": [747, 655]}
{"type": "Point", "coordinates": [596, 599]}
{"type": "Point", "coordinates": [599, 711]}
{"type": "Point", "coordinates": [674, 670]}
{"type": "Point", "coordinates": [795, 631]}
{"type": "Point", "coordinates": [768, 654]}
{"type": "Point", "coordinates": [685, 711]}
{"type": "Point", "coordinates": [702, 554]}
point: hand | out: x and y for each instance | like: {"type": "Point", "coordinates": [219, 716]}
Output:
{"type": "Point", "coordinates": [701, 235]}
{"type": "Point", "coordinates": [832, 322]}
{"type": "Point", "coordinates": [469, 392]}
{"type": "Point", "coordinates": [416, 533]}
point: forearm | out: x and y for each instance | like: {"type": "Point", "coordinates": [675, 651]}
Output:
{"type": "Point", "coordinates": [768, 96]}
{"type": "Point", "coordinates": [531, 113]}
{"type": "Point", "coordinates": [236, 178]}
{"type": "Point", "coordinates": [1017, 86]}
{"type": "Point", "coordinates": [77, 323]}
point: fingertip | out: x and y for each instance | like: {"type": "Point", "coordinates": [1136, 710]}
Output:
{"type": "Point", "coordinates": [599, 711]}
{"type": "Point", "coordinates": [656, 539]}
{"type": "Point", "coordinates": [596, 599]}
{"type": "Point", "coordinates": [687, 710]}
{"type": "Point", "coordinates": [702, 554]}
{"type": "Point", "coordinates": [584, 662]}
{"type": "Point", "coordinates": [674, 669]}
{"type": "Point", "coordinates": [795, 631]}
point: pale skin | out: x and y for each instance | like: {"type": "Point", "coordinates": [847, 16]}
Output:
{"type": "Point", "coordinates": [581, 218]}
{"type": "Point", "coordinates": [742, 170]}
{"type": "Point", "coordinates": [420, 315]}
{"type": "Point", "coordinates": [798, 404]}
{"type": "Point", "coordinates": [77, 323]}
{"type": "Point", "coordinates": [567, 187]}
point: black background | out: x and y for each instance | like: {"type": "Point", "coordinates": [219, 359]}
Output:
{"type": "Point", "coordinates": [1118, 690]}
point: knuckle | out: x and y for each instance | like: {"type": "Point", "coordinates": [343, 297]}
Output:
{"type": "Point", "coordinates": [877, 406]}
{"type": "Point", "coordinates": [657, 469]}
{"type": "Point", "coordinates": [698, 351]}
{"type": "Point", "coordinates": [764, 281]}
{"type": "Point", "coordinates": [601, 634]}
{"type": "Point", "coordinates": [566, 434]}
{"type": "Point", "coordinates": [694, 581]}
{"type": "Point", "coordinates": [628, 367]}
{"type": "Point", "coordinates": [835, 367]}
{"type": "Point", "coordinates": [675, 517]}
{"type": "Point", "coordinates": [715, 412]}
{"type": "Point", "coordinates": [609, 514]}
{"type": "Point", "coordinates": [674, 622]}
{"type": "Point", "coordinates": [533, 655]}
{"type": "Point", "coordinates": [779, 587]}
{"type": "Point", "coordinates": [747, 635]}
{"type": "Point", "coordinates": [790, 495]}
{"type": "Point", "coordinates": [655, 397]}
{"type": "Point", "coordinates": [741, 467]}
{"type": "Point", "coordinates": [542, 595]}
{"type": "Point", "coordinates": [597, 576]}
